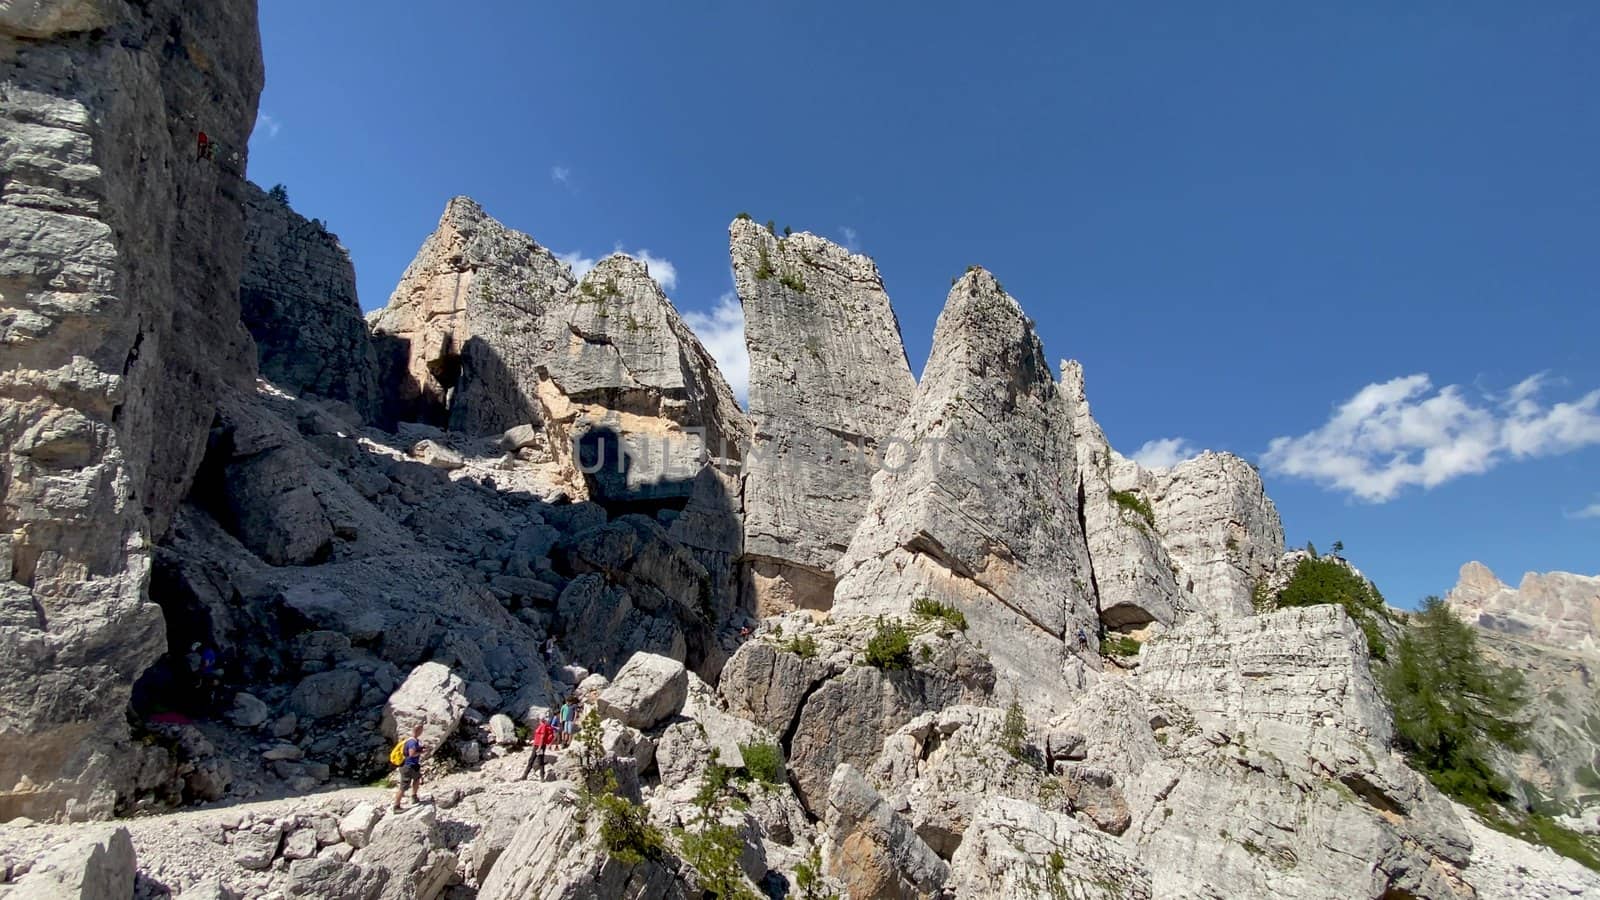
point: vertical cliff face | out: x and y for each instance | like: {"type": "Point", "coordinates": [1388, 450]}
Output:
{"type": "Point", "coordinates": [119, 278]}
{"type": "Point", "coordinates": [298, 298]}
{"type": "Point", "coordinates": [1135, 580]}
{"type": "Point", "coordinates": [977, 502]}
{"type": "Point", "coordinates": [829, 382]}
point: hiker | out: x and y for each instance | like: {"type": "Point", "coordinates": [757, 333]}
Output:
{"type": "Point", "coordinates": [410, 771]}
{"type": "Point", "coordinates": [207, 148]}
{"type": "Point", "coordinates": [569, 719]}
{"type": "Point", "coordinates": [544, 736]}
{"type": "Point", "coordinates": [1083, 638]}
{"type": "Point", "coordinates": [549, 650]}
{"type": "Point", "coordinates": [204, 665]}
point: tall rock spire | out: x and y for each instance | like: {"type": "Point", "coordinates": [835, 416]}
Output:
{"type": "Point", "coordinates": [828, 382]}
{"type": "Point", "coordinates": [976, 505]}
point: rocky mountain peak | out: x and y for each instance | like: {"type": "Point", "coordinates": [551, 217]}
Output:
{"type": "Point", "coordinates": [976, 505]}
{"type": "Point", "coordinates": [1560, 609]}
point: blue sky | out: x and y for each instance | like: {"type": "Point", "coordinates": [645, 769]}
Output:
{"type": "Point", "coordinates": [1355, 244]}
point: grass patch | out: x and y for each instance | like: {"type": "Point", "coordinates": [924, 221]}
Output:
{"type": "Point", "coordinates": [1536, 828]}
{"type": "Point", "coordinates": [889, 648]}
{"type": "Point", "coordinates": [803, 646]}
{"type": "Point", "coordinates": [764, 762]}
{"type": "Point", "coordinates": [793, 282]}
{"type": "Point", "coordinates": [929, 608]}
{"type": "Point", "coordinates": [1135, 504]}
{"type": "Point", "coordinates": [1119, 645]}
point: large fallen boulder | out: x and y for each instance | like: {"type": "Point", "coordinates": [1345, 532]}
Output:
{"type": "Point", "coordinates": [647, 690]}
{"type": "Point", "coordinates": [431, 696]}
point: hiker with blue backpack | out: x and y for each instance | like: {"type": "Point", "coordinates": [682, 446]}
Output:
{"type": "Point", "coordinates": [409, 761]}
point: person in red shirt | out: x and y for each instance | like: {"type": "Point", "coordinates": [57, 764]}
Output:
{"type": "Point", "coordinates": [544, 736]}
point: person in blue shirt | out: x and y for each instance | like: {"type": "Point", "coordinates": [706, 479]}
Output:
{"type": "Point", "coordinates": [410, 773]}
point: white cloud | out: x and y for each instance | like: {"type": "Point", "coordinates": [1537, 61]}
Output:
{"type": "Point", "coordinates": [721, 330]}
{"type": "Point", "coordinates": [662, 270]}
{"type": "Point", "coordinates": [268, 125]}
{"type": "Point", "coordinates": [1163, 453]}
{"type": "Point", "coordinates": [577, 262]}
{"type": "Point", "coordinates": [1403, 433]}
{"type": "Point", "coordinates": [1592, 511]}
{"type": "Point", "coordinates": [560, 174]}
{"type": "Point", "coordinates": [850, 237]}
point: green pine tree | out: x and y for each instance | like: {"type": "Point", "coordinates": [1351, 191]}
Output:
{"type": "Point", "coordinates": [1452, 706]}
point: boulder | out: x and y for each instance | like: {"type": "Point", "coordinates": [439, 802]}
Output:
{"type": "Point", "coordinates": [356, 826]}
{"type": "Point", "coordinates": [326, 694]}
{"type": "Point", "coordinates": [327, 876]}
{"type": "Point", "coordinates": [519, 436]}
{"type": "Point", "coordinates": [431, 696]}
{"type": "Point", "coordinates": [256, 848]}
{"type": "Point", "coordinates": [647, 690]}
{"type": "Point", "coordinates": [875, 851]}
{"type": "Point", "coordinates": [301, 844]}
{"type": "Point", "coordinates": [437, 455]}
{"type": "Point", "coordinates": [829, 382]}
{"type": "Point", "coordinates": [409, 847]}
{"type": "Point", "coordinates": [502, 730]}
{"type": "Point", "coordinates": [248, 711]}
{"type": "Point", "coordinates": [99, 865]}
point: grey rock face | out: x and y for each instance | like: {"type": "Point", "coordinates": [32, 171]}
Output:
{"type": "Point", "coordinates": [1310, 691]}
{"type": "Point", "coordinates": [97, 865]}
{"type": "Point", "coordinates": [553, 855]}
{"type": "Point", "coordinates": [846, 719]}
{"type": "Point", "coordinates": [488, 333]}
{"type": "Point", "coordinates": [978, 504]}
{"type": "Point", "coordinates": [654, 597]}
{"type": "Point", "coordinates": [121, 260]}
{"type": "Point", "coordinates": [1134, 579]}
{"type": "Point", "coordinates": [829, 382]}
{"type": "Point", "coordinates": [1218, 526]}
{"type": "Point", "coordinates": [1276, 750]}
{"type": "Point", "coordinates": [1014, 849]}
{"type": "Point", "coordinates": [876, 852]}
{"type": "Point", "coordinates": [298, 298]}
